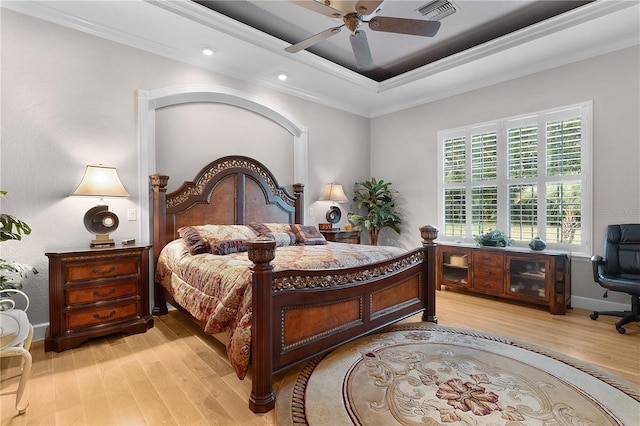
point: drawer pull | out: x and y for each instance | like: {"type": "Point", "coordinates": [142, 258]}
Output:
{"type": "Point", "coordinates": [487, 285]}
{"type": "Point", "coordinates": [98, 272]}
{"type": "Point", "coordinates": [96, 316]}
{"type": "Point", "coordinates": [98, 294]}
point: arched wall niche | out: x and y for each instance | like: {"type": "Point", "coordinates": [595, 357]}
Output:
{"type": "Point", "coordinates": [150, 101]}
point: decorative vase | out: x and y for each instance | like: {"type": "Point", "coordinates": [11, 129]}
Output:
{"type": "Point", "coordinates": [537, 244]}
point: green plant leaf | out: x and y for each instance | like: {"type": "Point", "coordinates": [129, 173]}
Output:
{"type": "Point", "coordinates": [377, 199]}
{"type": "Point", "coordinates": [12, 273]}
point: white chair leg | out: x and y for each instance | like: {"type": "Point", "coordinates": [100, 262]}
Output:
{"type": "Point", "coordinates": [21, 402]}
{"type": "Point", "coordinates": [21, 405]}
{"type": "Point", "coordinates": [27, 341]}
{"type": "Point", "coordinates": [17, 335]}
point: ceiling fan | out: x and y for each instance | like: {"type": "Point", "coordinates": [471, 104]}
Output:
{"type": "Point", "coordinates": [365, 12]}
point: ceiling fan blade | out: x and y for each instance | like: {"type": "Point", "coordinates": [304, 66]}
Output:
{"type": "Point", "coordinates": [361, 49]}
{"type": "Point", "coordinates": [319, 7]}
{"type": "Point", "coordinates": [313, 40]}
{"type": "Point", "coordinates": [405, 26]}
{"type": "Point", "coordinates": [370, 6]}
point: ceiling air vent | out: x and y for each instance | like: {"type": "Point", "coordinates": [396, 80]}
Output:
{"type": "Point", "coordinates": [437, 9]}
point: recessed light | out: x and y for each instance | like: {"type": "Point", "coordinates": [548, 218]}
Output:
{"type": "Point", "coordinates": [282, 76]}
{"type": "Point", "coordinates": [207, 51]}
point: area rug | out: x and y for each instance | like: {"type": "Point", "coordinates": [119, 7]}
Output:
{"type": "Point", "coordinates": [427, 374]}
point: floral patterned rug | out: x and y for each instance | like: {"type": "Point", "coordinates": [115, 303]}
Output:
{"type": "Point", "coordinates": [426, 374]}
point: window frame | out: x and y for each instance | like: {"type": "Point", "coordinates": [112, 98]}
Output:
{"type": "Point", "coordinates": [501, 126]}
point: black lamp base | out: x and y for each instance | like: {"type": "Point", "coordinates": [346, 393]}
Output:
{"type": "Point", "coordinates": [99, 221]}
{"type": "Point", "coordinates": [333, 214]}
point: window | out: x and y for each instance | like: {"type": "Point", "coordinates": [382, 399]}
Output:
{"type": "Point", "coordinates": [528, 176]}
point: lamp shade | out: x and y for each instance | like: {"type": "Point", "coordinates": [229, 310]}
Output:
{"type": "Point", "coordinates": [333, 192]}
{"type": "Point", "coordinates": [99, 181]}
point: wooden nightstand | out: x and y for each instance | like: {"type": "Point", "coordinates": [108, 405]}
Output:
{"type": "Point", "coordinates": [95, 292]}
{"type": "Point", "coordinates": [349, 237]}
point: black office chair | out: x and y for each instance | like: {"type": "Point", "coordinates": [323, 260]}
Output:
{"type": "Point", "coordinates": [619, 270]}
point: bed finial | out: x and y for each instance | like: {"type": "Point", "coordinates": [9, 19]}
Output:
{"type": "Point", "coordinates": [159, 182]}
{"type": "Point", "coordinates": [429, 234]}
{"type": "Point", "coordinates": [261, 250]}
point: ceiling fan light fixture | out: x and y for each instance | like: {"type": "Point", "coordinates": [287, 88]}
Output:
{"type": "Point", "coordinates": [353, 20]}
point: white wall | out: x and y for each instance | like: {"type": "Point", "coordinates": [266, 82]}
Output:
{"type": "Point", "coordinates": [192, 133]}
{"type": "Point", "coordinates": [69, 99]}
{"type": "Point", "coordinates": [611, 81]}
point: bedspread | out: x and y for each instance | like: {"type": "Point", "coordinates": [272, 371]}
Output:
{"type": "Point", "coordinates": [217, 289]}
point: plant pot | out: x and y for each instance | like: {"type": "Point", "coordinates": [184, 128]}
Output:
{"type": "Point", "coordinates": [373, 236]}
{"type": "Point", "coordinates": [537, 244]}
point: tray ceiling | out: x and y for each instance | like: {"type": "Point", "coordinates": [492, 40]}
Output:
{"type": "Point", "coordinates": [464, 24]}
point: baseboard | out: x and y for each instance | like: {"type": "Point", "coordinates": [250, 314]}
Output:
{"type": "Point", "coordinates": [598, 304]}
{"type": "Point", "coordinates": [39, 331]}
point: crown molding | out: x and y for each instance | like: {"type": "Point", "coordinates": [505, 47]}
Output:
{"type": "Point", "coordinates": [537, 31]}
{"type": "Point", "coordinates": [198, 13]}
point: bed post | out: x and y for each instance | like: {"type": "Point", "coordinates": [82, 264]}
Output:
{"type": "Point", "coordinates": [429, 234]}
{"type": "Point", "coordinates": [261, 252]}
{"type": "Point", "coordinates": [159, 205]}
{"type": "Point", "coordinates": [298, 192]}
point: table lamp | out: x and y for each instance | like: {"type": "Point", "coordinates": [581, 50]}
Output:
{"type": "Point", "coordinates": [333, 192]}
{"type": "Point", "coordinates": [100, 181]}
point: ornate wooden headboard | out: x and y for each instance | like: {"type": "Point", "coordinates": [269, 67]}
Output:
{"type": "Point", "coordinates": [231, 190]}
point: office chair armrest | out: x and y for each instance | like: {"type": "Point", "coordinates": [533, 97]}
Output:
{"type": "Point", "coordinates": [597, 262]}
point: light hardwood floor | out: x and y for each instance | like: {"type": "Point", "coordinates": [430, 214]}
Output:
{"type": "Point", "coordinates": [174, 374]}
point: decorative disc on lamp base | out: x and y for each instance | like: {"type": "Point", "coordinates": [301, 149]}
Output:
{"type": "Point", "coordinates": [100, 221]}
{"type": "Point", "coordinates": [333, 214]}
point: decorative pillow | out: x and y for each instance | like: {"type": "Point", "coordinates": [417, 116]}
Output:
{"type": "Point", "coordinates": [270, 228]}
{"type": "Point", "coordinates": [280, 232]}
{"type": "Point", "coordinates": [193, 240]}
{"type": "Point", "coordinates": [201, 238]}
{"type": "Point", "coordinates": [308, 235]}
{"type": "Point", "coordinates": [227, 247]}
{"type": "Point", "coordinates": [283, 239]}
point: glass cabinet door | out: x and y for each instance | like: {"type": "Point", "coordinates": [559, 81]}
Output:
{"type": "Point", "coordinates": [455, 267]}
{"type": "Point", "coordinates": [527, 277]}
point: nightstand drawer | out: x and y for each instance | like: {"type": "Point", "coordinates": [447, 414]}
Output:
{"type": "Point", "coordinates": [79, 294]}
{"type": "Point", "coordinates": [87, 317]}
{"type": "Point", "coordinates": [77, 271]}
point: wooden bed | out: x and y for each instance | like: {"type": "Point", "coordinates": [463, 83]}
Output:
{"type": "Point", "coordinates": [297, 314]}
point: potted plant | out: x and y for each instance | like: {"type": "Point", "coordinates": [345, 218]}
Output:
{"type": "Point", "coordinates": [493, 238]}
{"type": "Point", "coordinates": [378, 200]}
{"type": "Point", "coordinates": [12, 273]}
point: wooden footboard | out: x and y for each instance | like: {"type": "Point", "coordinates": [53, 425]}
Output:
{"type": "Point", "coordinates": [301, 314]}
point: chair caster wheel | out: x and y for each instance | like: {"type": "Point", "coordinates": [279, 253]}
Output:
{"type": "Point", "coordinates": [594, 316]}
{"type": "Point", "coordinates": [621, 330]}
